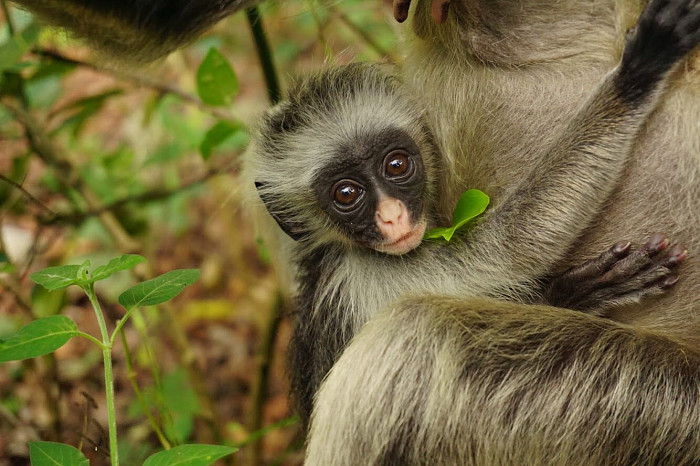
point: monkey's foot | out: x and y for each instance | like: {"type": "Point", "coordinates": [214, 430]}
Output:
{"type": "Point", "coordinates": [667, 30]}
{"type": "Point", "coordinates": [618, 277]}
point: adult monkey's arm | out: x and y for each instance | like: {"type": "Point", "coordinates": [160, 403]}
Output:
{"type": "Point", "coordinates": [135, 30]}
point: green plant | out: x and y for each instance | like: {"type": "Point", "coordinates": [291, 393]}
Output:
{"type": "Point", "coordinates": [471, 204]}
{"type": "Point", "coordinates": [47, 334]}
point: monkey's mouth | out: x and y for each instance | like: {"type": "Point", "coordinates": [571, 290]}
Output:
{"type": "Point", "coordinates": [406, 243]}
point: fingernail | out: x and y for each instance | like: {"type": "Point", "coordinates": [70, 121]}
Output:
{"type": "Point", "coordinates": [677, 255]}
{"type": "Point", "coordinates": [657, 242]}
{"type": "Point", "coordinates": [621, 248]}
{"type": "Point", "coordinates": [669, 282]}
{"type": "Point", "coordinates": [401, 10]}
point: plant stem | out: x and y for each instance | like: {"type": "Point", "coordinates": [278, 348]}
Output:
{"type": "Point", "coordinates": [8, 18]}
{"type": "Point", "coordinates": [142, 81]}
{"type": "Point", "coordinates": [92, 339]}
{"type": "Point", "coordinates": [120, 324]}
{"type": "Point", "coordinates": [109, 378]}
{"type": "Point", "coordinates": [139, 395]}
{"type": "Point", "coordinates": [261, 44]}
{"type": "Point", "coordinates": [265, 354]}
{"type": "Point", "coordinates": [364, 35]}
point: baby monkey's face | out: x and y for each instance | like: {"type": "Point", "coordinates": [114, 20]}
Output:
{"type": "Point", "coordinates": [373, 190]}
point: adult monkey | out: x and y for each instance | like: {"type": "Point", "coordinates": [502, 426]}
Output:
{"type": "Point", "coordinates": [507, 76]}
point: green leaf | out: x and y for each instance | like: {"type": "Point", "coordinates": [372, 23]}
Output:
{"type": "Point", "coordinates": [55, 278]}
{"type": "Point", "coordinates": [83, 109]}
{"type": "Point", "coordinates": [217, 83]}
{"type": "Point", "coordinates": [218, 134]}
{"type": "Point", "coordinates": [125, 262]}
{"type": "Point", "coordinates": [53, 454]}
{"type": "Point", "coordinates": [158, 290]}
{"type": "Point", "coordinates": [177, 394]}
{"type": "Point", "coordinates": [5, 265]}
{"type": "Point", "coordinates": [37, 338]}
{"type": "Point", "coordinates": [189, 455]}
{"type": "Point", "coordinates": [11, 52]}
{"type": "Point", "coordinates": [471, 204]}
{"type": "Point", "coordinates": [47, 303]}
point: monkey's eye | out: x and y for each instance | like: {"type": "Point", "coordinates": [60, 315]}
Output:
{"type": "Point", "coordinates": [398, 166]}
{"type": "Point", "coordinates": [346, 193]}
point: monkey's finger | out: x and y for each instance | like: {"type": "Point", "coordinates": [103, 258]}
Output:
{"type": "Point", "coordinates": [593, 268]}
{"type": "Point", "coordinates": [649, 277]}
{"type": "Point", "coordinates": [655, 274]}
{"type": "Point", "coordinates": [636, 261]}
{"type": "Point", "coordinates": [658, 288]}
{"type": "Point", "coordinates": [601, 302]}
{"type": "Point", "coordinates": [653, 7]}
{"type": "Point", "coordinates": [672, 11]}
{"type": "Point", "coordinates": [440, 9]}
{"type": "Point", "coordinates": [401, 10]}
{"type": "Point", "coordinates": [675, 256]}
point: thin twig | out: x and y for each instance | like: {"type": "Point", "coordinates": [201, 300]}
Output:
{"type": "Point", "coordinates": [26, 194]}
{"type": "Point", "coordinates": [138, 80]}
{"type": "Point", "coordinates": [260, 388]}
{"type": "Point", "coordinates": [364, 35]}
{"type": "Point", "coordinates": [74, 218]}
{"type": "Point", "coordinates": [89, 403]}
{"type": "Point", "coordinates": [17, 295]}
{"type": "Point", "coordinates": [8, 18]}
{"type": "Point", "coordinates": [131, 375]}
{"type": "Point", "coordinates": [41, 145]}
{"type": "Point", "coordinates": [39, 141]}
{"type": "Point", "coordinates": [262, 45]}
{"type": "Point", "coordinates": [33, 252]}
{"type": "Point", "coordinates": [98, 447]}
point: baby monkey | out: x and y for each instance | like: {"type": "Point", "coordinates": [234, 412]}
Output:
{"type": "Point", "coordinates": [377, 190]}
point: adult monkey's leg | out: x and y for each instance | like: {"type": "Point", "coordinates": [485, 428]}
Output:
{"type": "Point", "coordinates": [445, 381]}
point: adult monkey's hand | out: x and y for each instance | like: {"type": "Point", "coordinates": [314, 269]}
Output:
{"type": "Point", "coordinates": [440, 8]}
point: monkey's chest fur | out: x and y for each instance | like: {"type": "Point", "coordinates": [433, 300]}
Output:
{"type": "Point", "coordinates": [493, 126]}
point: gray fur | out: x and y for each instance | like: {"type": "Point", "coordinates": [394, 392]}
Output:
{"type": "Point", "coordinates": [496, 111]}
{"type": "Point", "coordinates": [477, 381]}
{"type": "Point", "coordinates": [443, 381]}
{"type": "Point", "coordinates": [509, 76]}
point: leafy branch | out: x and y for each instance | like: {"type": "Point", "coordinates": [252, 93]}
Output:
{"type": "Point", "coordinates": [45, 335]}
{"type": "Point", "coordinates": [138, 80]}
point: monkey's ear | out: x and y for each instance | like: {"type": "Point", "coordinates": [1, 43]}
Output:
{"type": "Point", "coordinates": [293, 229]}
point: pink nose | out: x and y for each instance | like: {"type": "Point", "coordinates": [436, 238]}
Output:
{"type": "Point", "coordinates": [393, 219]}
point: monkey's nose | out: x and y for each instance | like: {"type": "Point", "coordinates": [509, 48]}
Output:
{"type": "Point", "coordinates": [390, 210]}
{"type": "Point", "coordinates": [393, 219]}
